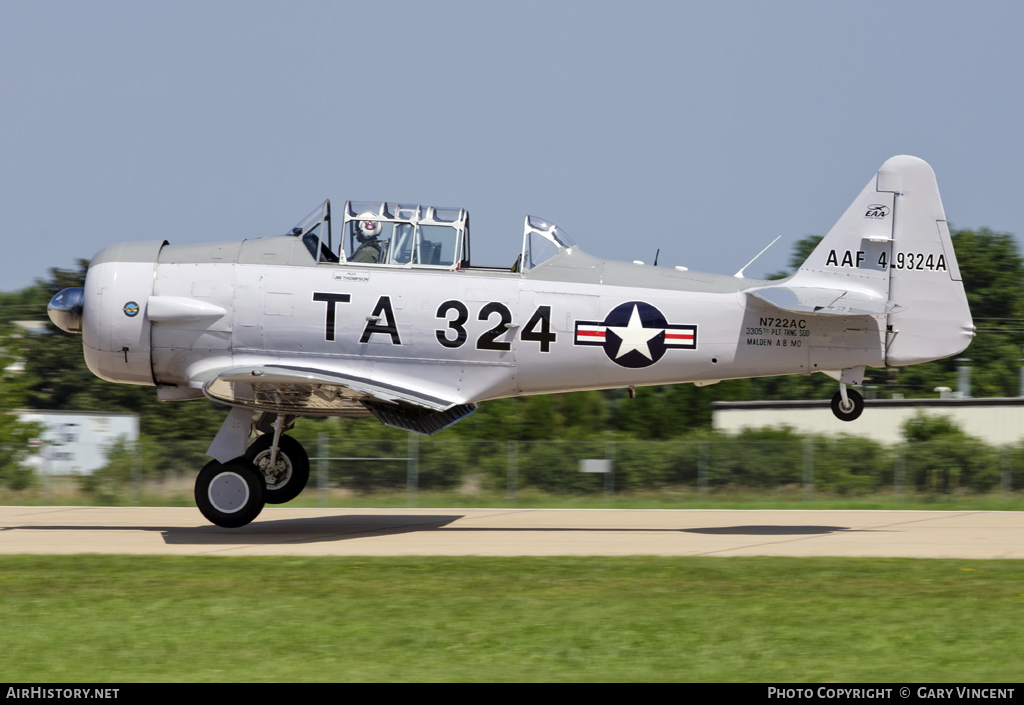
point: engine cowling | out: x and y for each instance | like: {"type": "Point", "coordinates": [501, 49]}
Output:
{"type": "Point", "coordinates": [116, 329]}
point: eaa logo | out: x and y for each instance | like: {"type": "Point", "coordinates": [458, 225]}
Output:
{"type": "Point", "coordinates": [877, 210]}
{"type": "Point", "coordinates": [636, 334]}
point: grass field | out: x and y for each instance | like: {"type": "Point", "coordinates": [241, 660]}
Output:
{"type": "Point", "coordinates": [127, 619]}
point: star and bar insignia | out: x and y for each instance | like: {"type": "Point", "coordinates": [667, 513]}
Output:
{"type": "Point", "coordinates": [635, 334]}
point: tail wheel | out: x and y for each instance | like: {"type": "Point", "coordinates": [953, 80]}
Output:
{"type": "Point", "coordinates": [852, 409]}
{"type": "Point", "coordinates": [230, 494]}
{"type": "Point", "coordinates": [288, 477]}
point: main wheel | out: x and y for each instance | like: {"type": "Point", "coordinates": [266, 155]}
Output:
{"type": "Point", "coordinates": [230, 495]}
{"type": "Point", "coordinates": [290, 473]}
{"type": "Point", "coordinates": [852, 409]}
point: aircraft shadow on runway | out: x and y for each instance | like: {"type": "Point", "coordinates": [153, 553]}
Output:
{"type": "Point", "coordinates": [769, 530]}
{"type": "Point", "coordinates": [345, 527]}
{"type": "Point", "coordinates": [307, 530]}
{"type": "Point", "coordinates": [341, 528]}
{"type": "Point", "coordinates": [312, 529]}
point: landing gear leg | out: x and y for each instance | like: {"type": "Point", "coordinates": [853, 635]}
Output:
{"type": "Point", "coordinates": [278, 422]}
{"type": "Point", "coordinates": [282, 461]}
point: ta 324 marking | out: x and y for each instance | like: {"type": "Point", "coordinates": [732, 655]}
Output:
{"type": "Point", "coordinates": [538, 328]}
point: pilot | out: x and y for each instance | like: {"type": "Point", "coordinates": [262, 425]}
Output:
{"type": "Point", "coordinates": [370, 249]}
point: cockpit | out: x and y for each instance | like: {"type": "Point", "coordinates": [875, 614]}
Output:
{"type": "Point", "coordinates": [403, 235]}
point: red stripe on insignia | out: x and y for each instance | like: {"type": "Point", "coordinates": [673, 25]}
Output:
{"type": "Point", "coordinates": [591, 333]}
{"type": "Point", "coordinates": [680, 336]}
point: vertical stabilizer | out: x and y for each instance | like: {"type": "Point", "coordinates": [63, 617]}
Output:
{"type": "Point", "coordinates": [892, 246]}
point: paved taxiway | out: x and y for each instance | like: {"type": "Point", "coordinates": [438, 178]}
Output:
{"type": "Point", "coordinates": [515, 532]}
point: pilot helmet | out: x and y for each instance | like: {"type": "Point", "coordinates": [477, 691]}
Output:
{"type": "Point", "coordinates": [367, 230]}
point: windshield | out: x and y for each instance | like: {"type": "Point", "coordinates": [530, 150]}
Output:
{"type": "Point", "coordinates": [319, 213]}
{"type": "Point", "coordinates": [556, 233]}
{"type": "Point", "coordinates": [542, 241]}
{"type": "Point", "coordinates": [315, 231]}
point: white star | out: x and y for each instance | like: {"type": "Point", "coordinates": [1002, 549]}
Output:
{"type": "Point", "coordinates": [634, 336]}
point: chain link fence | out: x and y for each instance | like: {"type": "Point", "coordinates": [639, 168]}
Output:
{"type": "Point", "coordinates": [142, 473]}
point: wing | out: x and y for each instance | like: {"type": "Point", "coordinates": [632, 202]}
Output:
{"type": "Point", "coordinates": [316, 391]}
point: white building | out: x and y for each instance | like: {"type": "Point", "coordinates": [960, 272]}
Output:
{"type": "Point", "coordinates": [996, 421]}
{"type": "Point", "coordinates": [75, 442]}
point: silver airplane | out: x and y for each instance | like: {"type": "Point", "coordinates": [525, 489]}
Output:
{"type": "Point", "coordinates": [392, 319]}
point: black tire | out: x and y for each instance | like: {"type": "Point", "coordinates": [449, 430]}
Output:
{"type": "Point", "coordinates": [230, 495]}
{"type": "Point", "coordinates": [856, 404]}
{"type": "Point", "coordinates": [292, 467]}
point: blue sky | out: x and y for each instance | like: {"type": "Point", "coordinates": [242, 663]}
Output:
{"type": "Point", "coordinates": [704, 130]}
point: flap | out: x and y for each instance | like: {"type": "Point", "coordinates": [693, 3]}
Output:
{"type": "Point", "coordinates": [821, 301]}
{"type": "Point", "coordinates": [295, 389]}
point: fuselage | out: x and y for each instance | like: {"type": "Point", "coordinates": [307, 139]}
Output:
{"type": "Point", "coordinates": [167, 315]}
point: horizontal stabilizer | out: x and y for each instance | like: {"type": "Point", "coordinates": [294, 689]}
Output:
{"type": "Point", "coordinates": [815, 300]}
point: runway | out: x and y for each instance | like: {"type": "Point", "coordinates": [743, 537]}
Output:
{"type": "Point", "coordinates": [515, 532]}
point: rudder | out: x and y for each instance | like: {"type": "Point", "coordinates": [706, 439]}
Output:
{"type": "Point", "coordinates": [933, 319]}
